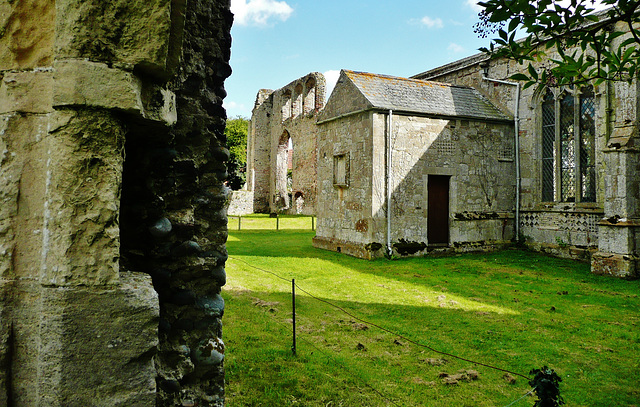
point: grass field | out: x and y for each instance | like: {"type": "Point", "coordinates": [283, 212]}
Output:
{"type": "Point", "coordinates": [513, 309]}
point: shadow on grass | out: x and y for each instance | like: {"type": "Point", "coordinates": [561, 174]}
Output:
{"type": "Point", "coordinates": [513, 342]}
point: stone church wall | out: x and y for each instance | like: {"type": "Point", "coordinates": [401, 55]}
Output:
{"type": "Point", "coordinates": [112, 208]}
{"type": "Point", "coordinates": [603, 231]}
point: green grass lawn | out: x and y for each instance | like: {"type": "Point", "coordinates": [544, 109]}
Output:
{"type": "Point", "coordinates": [512, 309]}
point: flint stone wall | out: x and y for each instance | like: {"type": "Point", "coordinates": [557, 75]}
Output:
{"type": "Point", "coordinates": [111, 121]}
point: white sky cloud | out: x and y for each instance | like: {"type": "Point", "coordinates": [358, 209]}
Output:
{"type": "Point", "coordinates": [431, 22]}
{"type": "Point", "coordinates": [456, 48]}
{"type": "Point", "coordinates": [473, 4]}
{"type": "Point", "coordinates": [259, 12]}
{"type": "Point", "coordinates": [331, 77]}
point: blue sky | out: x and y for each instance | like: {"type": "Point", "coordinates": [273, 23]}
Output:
{"type": "Point", "coordinates": [276, 42]}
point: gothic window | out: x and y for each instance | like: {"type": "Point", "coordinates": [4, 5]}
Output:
{"type": "Point", "coordinates": [568, 146]}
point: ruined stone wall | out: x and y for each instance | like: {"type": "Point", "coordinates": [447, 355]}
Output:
{"type": "Point", "coordinates": [111, 167]}
{"type": "Point", "coordinates": [571, 229]}
{"type": "Point", "coordinates": [289, 112]}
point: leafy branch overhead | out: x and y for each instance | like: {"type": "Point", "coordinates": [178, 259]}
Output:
{"type": "Point", "coordinates": [570, 40]}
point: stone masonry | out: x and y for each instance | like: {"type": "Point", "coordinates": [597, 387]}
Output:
{"type": "Point", "coordinates": [604, 230]}
{"type": "Point", "coordinates": [437, 130]}
{"type": "Point", "coordinates": [288, 113]}
{"type": "Point", "coordinates": [112, 208]}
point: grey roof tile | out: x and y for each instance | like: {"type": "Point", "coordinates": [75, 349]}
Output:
{"type": "Point", "coordinates": [435, 98]}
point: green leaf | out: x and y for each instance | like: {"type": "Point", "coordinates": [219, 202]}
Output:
{"type": "Point", "coordinates": [519, 77]}
{"type": "Point", "coordinates": [532, 72]}
{"type": "Point", "coordinates": [513, 25]}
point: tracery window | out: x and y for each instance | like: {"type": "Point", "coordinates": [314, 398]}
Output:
{"type": "Point", "coordinates": [568, 146]}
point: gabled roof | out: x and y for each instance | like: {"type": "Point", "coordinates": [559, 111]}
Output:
{"type": "Point", "coordinates": [425, 97]}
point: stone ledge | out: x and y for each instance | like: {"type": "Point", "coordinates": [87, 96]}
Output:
{"type": "Point", "coordinates": [84, 83]}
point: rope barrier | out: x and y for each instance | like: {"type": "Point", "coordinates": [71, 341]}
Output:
{"type": "Point", "coordinates": [514, 402]}
{"type": "Point", "coordinates": [385, 329]}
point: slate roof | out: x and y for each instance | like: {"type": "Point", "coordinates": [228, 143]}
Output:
{"type": "Point", "coordinates": [426, 97]}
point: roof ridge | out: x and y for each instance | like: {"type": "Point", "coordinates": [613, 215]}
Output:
{"type": "Point", "coordinates": [407, 79]}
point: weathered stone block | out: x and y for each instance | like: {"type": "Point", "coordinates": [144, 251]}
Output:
{"type": "Point", "coordinates": [26, 92]}
{"type": "Point", "coordinates": [135, 33]}
{"type": "Point", "coordinates": [617, 265]}
{"type": "Point", "coordinates": [80, 82]}
{"type": "Point", "coordinates": [98, 344]}
{"type": "Point", "coordinates": [84, 172]}
{"type": "Point", "coordinates": [27, 34]}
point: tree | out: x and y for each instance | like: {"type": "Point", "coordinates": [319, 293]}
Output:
{"type": "Point", "coordinates": [584, 45]}
{"type": "Point", "coordinates": [236, 132]}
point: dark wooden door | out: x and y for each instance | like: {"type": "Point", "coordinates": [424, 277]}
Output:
{"type": "Point", "coordinates": [438, 209]}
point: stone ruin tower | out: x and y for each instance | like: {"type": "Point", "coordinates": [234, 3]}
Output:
{"type": "Point", "coordinates": [112, 208]}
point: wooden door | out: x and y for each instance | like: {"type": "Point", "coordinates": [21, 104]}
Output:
{"type": "Point", "coordinates": [438, 209]}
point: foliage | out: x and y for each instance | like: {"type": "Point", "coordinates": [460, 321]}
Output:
{"type": "Point", "coordinates": [489, 307]}
{"type": "Point", "coordinates": [583, 45]}
{"type": "Point", "coordinates": [236, 132]}
{"type": "Point", "coordinates": [546, 384]}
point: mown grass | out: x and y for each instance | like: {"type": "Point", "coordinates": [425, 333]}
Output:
{"type": "Point", "coordinates": [513, 309]}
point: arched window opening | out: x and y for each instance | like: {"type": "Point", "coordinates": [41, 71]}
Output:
{"type": "Point", "coordinates": [286, 105]}
{"type": "Point", "coordinates": [297, 100]}
{"type": "Point", "coordinates": [284, 161]}
{"type": "Point", "coordinates": [310, 96]}
{"type": "Point", "coordinates": [298, 202]}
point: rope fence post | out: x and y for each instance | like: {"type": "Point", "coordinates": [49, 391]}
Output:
{"type": "Point", "coordinates": [313, 221]}
{"type": "Point", "coordinates": [293, 317]}
{"type": "Point", "coordinates": [277, 222]}
{"type": "Point", "coordinates": [239, 221]}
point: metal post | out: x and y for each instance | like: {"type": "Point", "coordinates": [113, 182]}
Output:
{"type": "Point", "coordinates": [293, 301]}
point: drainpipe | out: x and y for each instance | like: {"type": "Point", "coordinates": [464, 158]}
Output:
{"type": "Point", "coordinates": [516, 125]}
{"type": "Point", "coordinates": [388, 174]}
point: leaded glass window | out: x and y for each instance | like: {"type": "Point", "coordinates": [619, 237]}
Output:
{"type": "Point", "coordinates": [568, 147]}
{"type": "Point", "coordinates": [548, 147]}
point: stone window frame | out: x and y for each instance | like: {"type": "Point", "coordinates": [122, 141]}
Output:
{"type": "Point", "coordinates": [341, 169]}
{"type": "Point", "coordinates": [567, 119]}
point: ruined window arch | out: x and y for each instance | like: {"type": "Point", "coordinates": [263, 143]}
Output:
{"type": "Point", "coordinates": [284, 158]}
{"type": "Point", "coordinates": [297, 100]}
{"type": "Point", "coordinates": [286, 105]}
{"type": "Point", "coordinates": [310, 96]}
{"type": "Point", "coordinates": [298, 202]}
{"type": "Point", "coordinates": [568, 145]}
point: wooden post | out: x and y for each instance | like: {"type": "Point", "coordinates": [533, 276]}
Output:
{"type": "Point", "coordinates": [313, 226]}
{"type": "Point", "coordinates": [293, 307]}
{"type": "Point", "coordinates": [277, 222]}
{"type": "Point", "coordinates": [239, 221]}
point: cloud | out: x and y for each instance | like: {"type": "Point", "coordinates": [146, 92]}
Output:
{"type": "Point", "coordinates": [259, 12]}
{"type": "Point", "coordinates": [473, 4]}
{"type": "Point", "coordinates": [455, 48]}
{"type": "Point", "coordinates": [331, 77]}
{"type": "Point", "coordinates": [236, 109]}
{"type": "Point", "coordinates": [431, 22]}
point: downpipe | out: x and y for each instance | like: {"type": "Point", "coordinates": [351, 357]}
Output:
{"type": "Point", "coordinates": [388, 182]}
